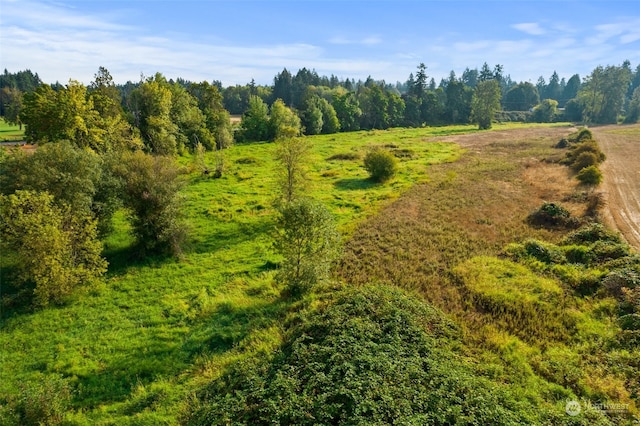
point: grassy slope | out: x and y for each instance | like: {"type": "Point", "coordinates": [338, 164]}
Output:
{"type": "Point", "coordinates": [134, 348]}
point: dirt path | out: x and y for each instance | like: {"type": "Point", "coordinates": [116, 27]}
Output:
{"type": "Point", "coordinates": [621, 171]}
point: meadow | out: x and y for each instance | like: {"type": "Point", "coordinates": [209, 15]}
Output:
{"type": "Point", "coordinates": [135, 347]}
{"type": "Point", "coordinates": [449, 230]}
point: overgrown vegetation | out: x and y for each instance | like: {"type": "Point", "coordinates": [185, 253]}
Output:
{"type": "Point", "coordinates": [371, 355]}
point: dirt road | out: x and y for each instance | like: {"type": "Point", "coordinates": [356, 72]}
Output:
{"type": "Point", "coordinates": [621, 183]}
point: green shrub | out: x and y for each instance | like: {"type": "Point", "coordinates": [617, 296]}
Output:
{"type": "Point", "coordinates": [151, 189]}
{"type": "Point", "coordinates": [381, 165]}
{"type": "Point", "coordinates": [592, 233]}
{"type": "Point", "coordinates": [57, 250]}
{"type": "Point", "coordinates": [373, 355]}
{"type": "Point", "coordinates": [585, 159]}
{"type": "Point", "coordinates": [544, 252]}
{"type": "Point", "coordinates": [42, 402]}
{"type": "Point", "coordinates": [345, 156]}
{"type": "Point", "coordinates": [590, 175]}
{"type": "Point", "coordinates": [552, 214]}
{"type": "Point", "coordinates": [580, 135]}
{"type": "Point", "coordinates": [586, 146]}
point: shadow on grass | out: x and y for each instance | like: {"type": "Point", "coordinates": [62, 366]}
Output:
{"type": "Point", "coordinates": [355, 184]}
{"type": "Point", "coordinates": [230, 234]}
{"type": "Point", "coordinates": [159, 356]}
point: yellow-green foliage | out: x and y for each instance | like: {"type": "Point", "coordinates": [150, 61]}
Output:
{"type": "Point", "coordinates": [520, 301]}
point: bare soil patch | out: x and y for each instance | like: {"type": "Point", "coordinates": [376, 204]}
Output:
{"type": "Point", "coordinates": [621, 170]}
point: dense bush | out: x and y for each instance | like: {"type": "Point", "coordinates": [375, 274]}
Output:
{"type": "Point", "coordinates": [151, 188]}
{"type": "Point", "coordinates": [552, 215]}
{"type": "Point", "coordinates": [590, 175]}
{"type": "Point", "coordinates": [592, 233]}
{"type": "Point", "coordinates": [43, 402]}
{"type": "Point", "coordinates": [56, 250]}
{"type": "Point", "coordinates": [374, 355]}
{"type": "Point", "coordinates": [584, 159]}
{"type": "Point", "coordinates": [381, 165]}
{"type": "Point", "coordinates": [575, 151]}
{"type": "Point", "coordinates": [580, 135]}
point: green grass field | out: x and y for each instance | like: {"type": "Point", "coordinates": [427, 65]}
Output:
{"type": "Point", "coordinates": [134, 348]}
{"type": "Point", "coordinates": [9, 132]}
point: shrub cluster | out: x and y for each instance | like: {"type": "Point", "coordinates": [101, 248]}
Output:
{"type": "Point", "coordinates": [584, 156]}
{"type": "Point", "coordinates": [591, 260]}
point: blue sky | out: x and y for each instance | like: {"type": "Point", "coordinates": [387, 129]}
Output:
{"type": "Point", "coordinates": [235, 41]}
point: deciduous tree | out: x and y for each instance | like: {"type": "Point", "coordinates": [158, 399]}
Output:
{"type": "Point", "coordinates": [309, 242]}
{"type": "Point", "coordinates": [485, 103]}
{"type": "Point", "coordinates": [56, 249]}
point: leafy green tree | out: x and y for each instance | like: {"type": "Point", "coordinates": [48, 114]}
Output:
{"type": "Point", "coordinates": [283, 87]}
{"type": "Point", "coordinates": [255, 122]}
{"type": "Point", "coordinates": [283, 122]}
{"type": "Point", "coordinates": [312, 119]}
{"type": "Point", "coordinates": [11, 100]}
{"type": "Point", "coordinates": [308, 240]}
{"type": "Point", "coordinates": [395, 110]}
{"type": "Point", "coordinates": [546, 111]}
{"type": "Point", "coordinates": [330, 122]}
{"type": "Point", "coordinates": [292, 157]}
{"type": "Point", "coordinates": [74, 177]}
{"type": "Point", "coordinates": [374, 104]}
{"type": "Point", "coordinates": [485, 103]}
{"type": "Point", "coordinates": [105, 95]}
{"type": "Point", "coordinates": [210, 102]}
{"type": "Point", "coordinates": [603, 92]}
{"type": "Point", "coordinates": [470, 77]}
{"type": "Point", "coordinates": [553, 89]}
{"type": "Point", "coordinates": [521, 97]}
{"type": "Point", "coordinates": [189, 119]}
{"type": "Point", "coordinates": [348, 111]}
{"type": "Point", "coordinates": [56, 249]}
{"type": "Point", "coordinates": [458, 104]}
{"type": "Point", "coordinates": [633, 111]}
{"type": "Point", "coordinates": [152, 103]}
{"type": "Point", "coordinates": [419, 86]}
{"type": "Point", "coordinates": [151, 188]}
{"type": "Point", "coordinates": [570, 90]}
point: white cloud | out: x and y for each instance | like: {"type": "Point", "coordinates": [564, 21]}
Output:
{"type": "Point", "coordinates": [366, 41]}
{"type": "Point", "coordinates": [531, 28]}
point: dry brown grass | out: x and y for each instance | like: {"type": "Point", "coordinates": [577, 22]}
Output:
{"type": "Point", "coordinates": [472, 207]}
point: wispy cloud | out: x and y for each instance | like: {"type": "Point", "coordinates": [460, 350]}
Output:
{"type": "Point", "coordinates": [531, 28]}
{"type": "Point", "coordinates": [60, 42]}
{"type": "Point", "coordinates": [366, 41]}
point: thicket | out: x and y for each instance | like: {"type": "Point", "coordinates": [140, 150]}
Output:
{"type": "Point", "coordinates": [58, 203]}
{"type": "Point", "coordinates": [369, 355]}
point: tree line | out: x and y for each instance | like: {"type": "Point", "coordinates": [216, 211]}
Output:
{"type": "Point", "coordinates": [166, 116]}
